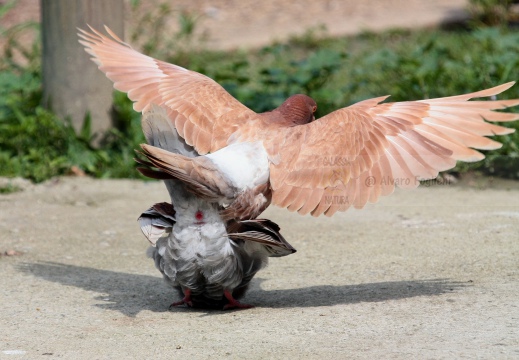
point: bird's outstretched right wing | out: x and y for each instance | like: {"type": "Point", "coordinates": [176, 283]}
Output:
{"type": "Point", "coordinates": [202, 111]}
{"type": "Point", "coordinates": [263, 232]}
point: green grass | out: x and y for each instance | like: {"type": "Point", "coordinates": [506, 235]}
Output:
{"type": "Point", "coordinates": [337, 72]}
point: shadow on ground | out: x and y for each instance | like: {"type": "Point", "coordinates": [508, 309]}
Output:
{"type": "Point", "coordinates": [132, 293]}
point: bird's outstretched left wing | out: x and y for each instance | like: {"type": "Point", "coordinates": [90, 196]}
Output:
{"type": "Point", "coordinates": [356, 154]}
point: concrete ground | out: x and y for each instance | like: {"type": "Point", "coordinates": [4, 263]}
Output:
{"type": "Point", "coordinates": [425, 274]}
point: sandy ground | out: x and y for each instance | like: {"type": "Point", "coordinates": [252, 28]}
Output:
{"type": "Point", "coordinates": [249, 23]}
{"type": "Point", "coordinates": [432, 273]}
{"type": "Point", "coordinates": [245, 24]}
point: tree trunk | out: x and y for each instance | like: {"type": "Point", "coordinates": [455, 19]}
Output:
{"type": "Point", "coordinates": [72, 84]}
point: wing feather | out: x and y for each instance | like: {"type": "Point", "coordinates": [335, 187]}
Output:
{"type": "Point", "coordinates": [359, 153]}
{"type": "Point", "coordinates": [201, 104]}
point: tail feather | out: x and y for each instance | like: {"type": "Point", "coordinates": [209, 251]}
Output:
{"type": "Point", "coordinates": [199, 175]}
{"type": "Point", "coordinates": [154, 174]}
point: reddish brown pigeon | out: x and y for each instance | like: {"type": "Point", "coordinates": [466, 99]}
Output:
{"type": "Point", "coordinates": [348, 157]}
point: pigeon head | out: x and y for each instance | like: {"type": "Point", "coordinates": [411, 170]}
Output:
{"type": "Point", "coordinates": [298, 109]}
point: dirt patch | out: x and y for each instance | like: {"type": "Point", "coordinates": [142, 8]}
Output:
{"type": "Point", "coordinates": [249, 23]}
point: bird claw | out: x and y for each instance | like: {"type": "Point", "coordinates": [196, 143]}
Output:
{"type": "Point", "coordinates": [186, 300]}
{"type": "Point", "coordinates": [233, 303]}
{"type": "Point", "coordinates": [181, 302]}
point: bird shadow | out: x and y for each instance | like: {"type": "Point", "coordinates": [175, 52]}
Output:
{"type": "Point", "coordinates": [132, 293]}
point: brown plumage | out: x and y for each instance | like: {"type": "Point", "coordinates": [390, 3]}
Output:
{"type": "Point", "coordinates": [198, 174]}
{"type": "Point", "coordinates": [203, 178]}
{"type": "Point", "coordinates": [346, 158]}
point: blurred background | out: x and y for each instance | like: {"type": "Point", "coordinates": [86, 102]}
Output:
{"type": "Point", "coordinates": [60, 116]}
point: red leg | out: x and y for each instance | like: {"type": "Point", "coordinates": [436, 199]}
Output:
{"type": "Point", "coordinates": [233, 303]}
{"type": "Point", "coordinates": [186, 300]}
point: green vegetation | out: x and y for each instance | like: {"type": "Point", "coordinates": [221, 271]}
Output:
{"type": "Point", "coordinates": [491, 12]}
{"type": "Point", "coordinates": [337, 72]}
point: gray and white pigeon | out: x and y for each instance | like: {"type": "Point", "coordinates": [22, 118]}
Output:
{"type": "Point", "coordinates": [209, 258]}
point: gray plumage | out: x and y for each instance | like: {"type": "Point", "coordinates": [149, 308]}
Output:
{"type": "Point", "coordinates": [208, 259]}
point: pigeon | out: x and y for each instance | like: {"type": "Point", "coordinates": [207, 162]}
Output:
{"type": "Point", "coordinates": [346, 158]}
{"type": "Point", "coordinates": [208, 259]}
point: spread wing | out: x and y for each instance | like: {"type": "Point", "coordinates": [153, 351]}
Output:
{"type": "Point", "coordinates": [203, 112]}
{"type": "Point", "coordinates": [356, 154]}
{"type": "Point", "coordinates": [263, 232]}
{"type": "Point", "coordinates": [157, 221]}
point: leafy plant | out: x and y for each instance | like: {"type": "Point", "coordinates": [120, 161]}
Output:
{"type": "Point", "coordinates": [490, 12]}
{"type": "Point", "coordinates": [9, 188]}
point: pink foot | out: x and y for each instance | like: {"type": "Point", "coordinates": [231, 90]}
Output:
{"type": "Point", "coordinates": [186, 300]}
{"type": "Point", "coordinates": [233, 303]}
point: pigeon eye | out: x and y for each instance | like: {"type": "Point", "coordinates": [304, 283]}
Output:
{"type": "Point", "coordinates": [314, 109]}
